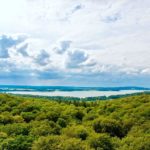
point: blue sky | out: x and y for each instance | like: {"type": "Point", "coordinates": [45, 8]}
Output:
{"type": "Point", "coordinates": [80, 43]}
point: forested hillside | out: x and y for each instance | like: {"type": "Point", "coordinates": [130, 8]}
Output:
{"type": "Point", "coordinates": [40, 124]}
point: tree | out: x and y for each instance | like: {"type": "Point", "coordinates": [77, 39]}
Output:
{"type": "Point", "coordinates": [101, 142]}
{"type": "Point", "coordinates": [76, 132]}
{"type": "Point", "coordinates": [47, 143]}
{"type": "Point", "coordinates": [18, 143]}
{"type": "Point", "coordinates": [111, 126]}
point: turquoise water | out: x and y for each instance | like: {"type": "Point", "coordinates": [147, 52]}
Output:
{"type": "Point", "coordinates": [64, 88]}
{"type": "Point", "coordinates": [70, 90]}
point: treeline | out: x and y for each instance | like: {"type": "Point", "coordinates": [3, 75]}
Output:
{"type": "Point", "coordinates": [29, 123]}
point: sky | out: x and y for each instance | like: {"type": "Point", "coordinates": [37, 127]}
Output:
{"type": "Point", "coordinates": [75, 42]}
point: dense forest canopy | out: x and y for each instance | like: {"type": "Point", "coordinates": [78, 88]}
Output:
{"type": "Point", "coordinates": [28, 123]}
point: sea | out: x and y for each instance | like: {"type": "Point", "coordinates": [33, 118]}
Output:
{"type": "Point", "coordinates": [70, 91]}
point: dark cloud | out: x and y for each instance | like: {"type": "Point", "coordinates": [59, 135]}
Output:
{"type": "Point", "coordinates": [76, 58]}
{"type": "Point", "coordinates": [64, 45]}
{"type": "Point", "coordinates": [7, 42]}
{"type": "Point", "coordinates": [43, 58]}
{"type": "Point", "coordinates": [23, 50]}
{"type": "Point", "coordinates": [5, 64]}
{"type": "Point", "coordinates": [71, 11]}
{"type": "Point", "coordinates": [112, 18]}
{"type": "Point", "coordinates": [49, 74]}
{"type": "Point", "coordinates": [12, 71]}
{"type": "Point", "coordinates": [76, 8]}
{"type": "Point", "coordinates": [16, 74]}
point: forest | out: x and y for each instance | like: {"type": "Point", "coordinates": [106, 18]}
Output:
{"type": "Point", "coordinates": [30, 123]}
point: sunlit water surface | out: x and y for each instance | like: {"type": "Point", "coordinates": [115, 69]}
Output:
{"type": "Point", "coordinates": [80, 94]}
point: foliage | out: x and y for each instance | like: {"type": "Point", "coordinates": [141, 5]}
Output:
{"type": "Point", "coordinates": [101, 141]}
{"type": "Point", "coordinates": [34, 123]}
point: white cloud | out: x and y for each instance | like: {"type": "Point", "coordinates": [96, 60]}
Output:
{"type": "Point", "coordinates": [112, 34]}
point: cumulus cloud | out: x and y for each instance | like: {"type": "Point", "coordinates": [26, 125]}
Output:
{"type": "Point", "coordinates": [64, 45]}
{"type": "Point", "coordinates": [111, 18]}
{"type": "Point", "coordinates": [76, 8]}
{"type": "Point", "coordinates": [76, 58]}
{"type": "Point", "coordinates": [23, 50]}
{"type": "Point", "coordinates": [43, 58]}
{"type": "Point", "coordinates": [7, 42]}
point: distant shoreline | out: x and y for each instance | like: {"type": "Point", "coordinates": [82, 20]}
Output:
{"type": "Point", "coordinates": [70, 91]}
{"type": "Point", "coordinates": [76, 97]}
